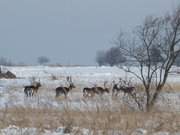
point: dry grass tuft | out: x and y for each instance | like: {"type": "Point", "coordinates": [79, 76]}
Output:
{"type": "Point", "coordinates": [168, 87]}
{"type": "Point", "coordinates": [98, 119]}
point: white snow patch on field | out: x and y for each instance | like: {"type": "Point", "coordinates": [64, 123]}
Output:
{"type": "Point", "coordinates": [11, 90]}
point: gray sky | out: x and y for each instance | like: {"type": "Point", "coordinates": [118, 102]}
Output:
{"type": "Point", "coordinates": [69, 31]}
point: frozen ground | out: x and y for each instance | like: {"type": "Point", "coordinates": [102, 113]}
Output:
{"type": "Point", "coordinates": [13, 130]}
{"type": "Point", "coordinates": [11, 90]}
{"type": "Point", "coordinates": [11, 93]}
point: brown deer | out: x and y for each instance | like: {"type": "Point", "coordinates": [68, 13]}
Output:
{"type": "Point", "coordinates": [65, 90]}
{"type": "Point", "coordinates": [100, 90]}
{"type": "Point", "coordinates": [95, 90]}
{"type": "Point", "coordinates": [89, 92]}
{"type": "Point", "coordinates": [125, 89]}
{"type": "Point", "coordinates": [30, 90]}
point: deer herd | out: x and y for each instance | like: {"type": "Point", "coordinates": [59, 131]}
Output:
{"type": "Point", "coordinates": [122, 86]}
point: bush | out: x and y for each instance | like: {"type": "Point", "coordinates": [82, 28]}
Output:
{"type": "Point", "coordinates": [112, 57]}
{"type": "Point", "coordinates": [43, 60]}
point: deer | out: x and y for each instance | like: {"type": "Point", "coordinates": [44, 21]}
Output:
{"type": "Point", "coordinates": [65, 90]}
{"type": "Point", "coordinates": [125, 89]}
{"type": "Point", "coordinates": [95, 90]}
{"type": "Point", "coordinates": [89, 91]}
{"type": "Point", "coordinates": [30, 90]}
{"type": "Point", "coordinates": [100, 90]}
{"type": "Point", "coordinates": [115, 90]}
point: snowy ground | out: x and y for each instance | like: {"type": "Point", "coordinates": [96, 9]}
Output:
{"type": "Point", "coordinates": [12, 94]}
{"type": "Point", "coordinates": [11, 90]}
{"type": "Point", "coordinates": [13, 130]}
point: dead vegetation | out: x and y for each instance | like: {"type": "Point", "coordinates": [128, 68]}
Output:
{"type": "Point", "coordinates": [168, 87]}
{"type": "Point", "coordinates": [99, 119]}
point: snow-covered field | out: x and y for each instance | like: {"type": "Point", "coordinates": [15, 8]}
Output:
{"type": "Point", "coordinates": [11, 90]}
{"type": "Point", "coordinates": [13, 130]}
{"type": "Point", "coordinates": [12, 94]}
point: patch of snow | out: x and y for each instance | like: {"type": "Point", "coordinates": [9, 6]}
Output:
{"type": "Point", "coordinates": [12, 94]}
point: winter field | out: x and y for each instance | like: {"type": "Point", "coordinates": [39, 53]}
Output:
{"type": "Point", "coordinates": [46, 114]}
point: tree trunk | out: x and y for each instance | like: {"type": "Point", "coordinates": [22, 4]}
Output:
{"type": "Point", "coordinates": [147, 100]}
{"type": "Point", "coordinates": [151, 101]}
{"type": "Point", "coordinates": [155, 95]}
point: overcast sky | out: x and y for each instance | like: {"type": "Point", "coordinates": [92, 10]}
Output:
{"type": "Point", "coordinates": [69, 31]}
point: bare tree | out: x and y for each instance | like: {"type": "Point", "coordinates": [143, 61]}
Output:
{"type": "Point", "coordinates": [112, 57]}
{"type": "Point", "coordinates": [177, 61]}
{"type": "Point", "coordinates": [162, 33]}
{"type": "Point", "coordinates": [155, 54]}
{"type": "Point", "coordinates": [43, 60]}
